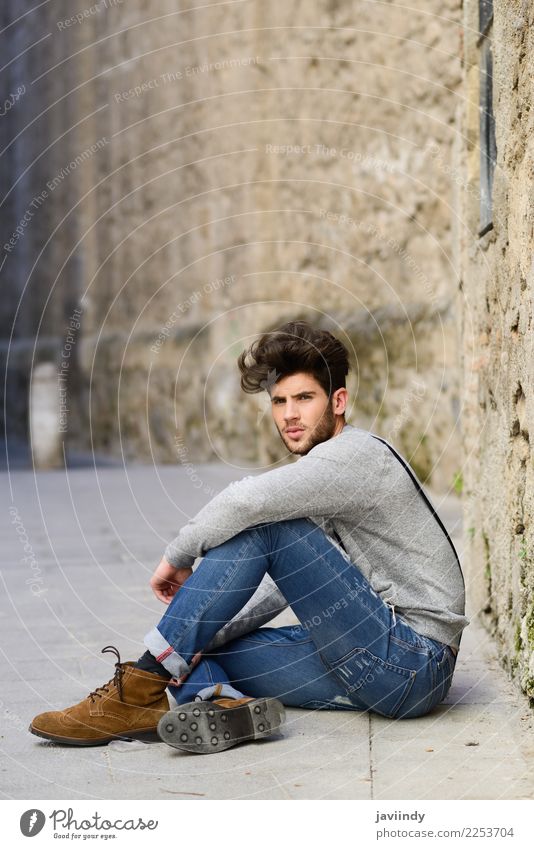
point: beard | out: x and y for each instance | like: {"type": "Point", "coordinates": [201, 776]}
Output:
{"type": "Point", "coordinates": [323, 430]}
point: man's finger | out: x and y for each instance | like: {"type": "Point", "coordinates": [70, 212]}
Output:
{"type": "Point", "coordinates": [160, 595]}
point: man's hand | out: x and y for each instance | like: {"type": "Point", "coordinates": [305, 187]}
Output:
{"type": "Point", "coordinates": [167, 580]}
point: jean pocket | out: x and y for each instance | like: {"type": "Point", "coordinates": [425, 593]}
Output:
{"type": "Point", "coordinates": [448, 665]}
{"type": "Point", "coordinates": [444, 664]}
{"type": "Point", "coordinates": [446, 659]}
{"type": "Point", "coordinates": [380, 685]}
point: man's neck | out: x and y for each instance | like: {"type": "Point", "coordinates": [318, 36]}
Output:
{"type": "Point", "coordinates": [340, 424]}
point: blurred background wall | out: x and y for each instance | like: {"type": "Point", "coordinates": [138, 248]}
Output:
{"type": "Point", "coordinates": [177, 179]}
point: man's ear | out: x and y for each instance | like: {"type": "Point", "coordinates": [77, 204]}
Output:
{"type": "Point", "coordinates": [339, 401]}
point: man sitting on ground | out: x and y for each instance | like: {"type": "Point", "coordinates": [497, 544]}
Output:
{"type": "Point", "coordinates": [345, 536]}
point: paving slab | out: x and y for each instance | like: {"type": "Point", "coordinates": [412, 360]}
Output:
{"type": "Point", "coordinates": [95, 536]}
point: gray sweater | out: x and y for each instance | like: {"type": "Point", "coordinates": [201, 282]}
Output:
{"type": "Point", "coordinates": [356, 488]}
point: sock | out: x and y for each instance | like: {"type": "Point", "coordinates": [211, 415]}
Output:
{"type": "Point", "coordinates": [149, 663]}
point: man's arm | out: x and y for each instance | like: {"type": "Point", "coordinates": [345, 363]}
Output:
{"type": "Point", "coordinates": [317, 485]}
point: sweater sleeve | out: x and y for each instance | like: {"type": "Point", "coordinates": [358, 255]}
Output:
{"type": "Point", "coordinates": [315, 485]}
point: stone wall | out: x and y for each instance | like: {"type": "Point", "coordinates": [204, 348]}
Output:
{"type": "Point", "coordinates": [235, 167]}
{"type": "Point", "coordinates": [496, 307]}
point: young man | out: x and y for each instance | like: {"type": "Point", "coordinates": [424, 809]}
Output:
{"type": "Point", "coordinates": [344, 535]}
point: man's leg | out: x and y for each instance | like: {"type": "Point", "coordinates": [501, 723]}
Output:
{"type": "Point", "coordinates": [282, 663]}
{"type": "Point", "coordinates": [205, 676]}
{"type": "Point", "coordinates": [348, 623]}
{"type": "Point", "coordinates": [380, 665]}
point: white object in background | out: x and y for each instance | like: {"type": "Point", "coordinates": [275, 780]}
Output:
{"type": "Point", "coordinates": [45, 436]}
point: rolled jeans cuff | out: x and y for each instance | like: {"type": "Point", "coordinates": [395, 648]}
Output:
{"type": "Point", "coordinates": [165, 654]}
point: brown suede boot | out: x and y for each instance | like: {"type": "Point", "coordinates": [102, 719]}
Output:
{"type": "Point", "coordinates": [213, 725]}
{"type": "Point", "coordinates": [128, 707]}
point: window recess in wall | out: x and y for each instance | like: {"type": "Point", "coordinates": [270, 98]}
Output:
{"type": "Point", "coordinates": [488, 146]}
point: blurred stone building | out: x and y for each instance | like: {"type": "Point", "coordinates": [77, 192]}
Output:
{"type": "Point", "coordinates": [177, 179]}
{"type": "Point", "coordinates": [187, 178]}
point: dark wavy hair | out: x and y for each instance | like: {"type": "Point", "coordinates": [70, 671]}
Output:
{"type": "Point", "coordinates": [294, 347]}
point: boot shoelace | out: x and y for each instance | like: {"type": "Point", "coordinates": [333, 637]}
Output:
{"type": "Point", "coordinates": [117, 678]}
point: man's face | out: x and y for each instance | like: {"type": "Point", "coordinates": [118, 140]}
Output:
{"type": "Point", "coordinates": [303, 414]}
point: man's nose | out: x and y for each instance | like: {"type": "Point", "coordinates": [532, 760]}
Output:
{"type": "Point", "coordinates": [290, 411]}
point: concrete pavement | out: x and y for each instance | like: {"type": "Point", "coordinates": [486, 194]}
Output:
{"type": "Point", "coordinates": [78, 548]}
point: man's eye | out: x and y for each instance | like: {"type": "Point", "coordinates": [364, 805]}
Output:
{"type": "Point", "coordinates": [299, 398]}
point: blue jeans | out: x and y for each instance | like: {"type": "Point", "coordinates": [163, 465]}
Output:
{"type": "Point", "coordinates": [350, 651]}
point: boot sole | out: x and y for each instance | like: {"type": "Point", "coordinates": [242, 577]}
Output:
{"type": "Point", "coordinates": [148, 735]}
{"type": "Point", "coordinates": [205, 728]}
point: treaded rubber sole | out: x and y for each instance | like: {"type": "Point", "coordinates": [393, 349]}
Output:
{"type": "Point", "coordinates": [205, 727]}
{"type": "Point", "coordinates": [148, 735]}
